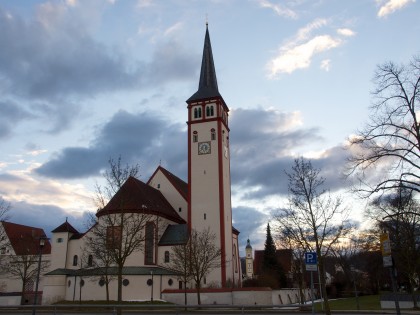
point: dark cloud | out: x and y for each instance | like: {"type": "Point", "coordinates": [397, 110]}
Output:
{"type": "Point", "coordinates": [10, 115]}
{"type": "Point", "coordinates": [54, 64]}
{"type": "Point", "coordinates": [249, 222]}
{"type": "Point", "coordinates": [139, 138]}
{"type": "Point", "coordinates": [152, 140]}
{"type": "Point", "coordinates": [34, 215]}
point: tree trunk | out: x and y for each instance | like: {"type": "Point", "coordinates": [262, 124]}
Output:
{"type": "Point", "coordinates": [22, 298]}
{"type": "Point", "coordinates": [119, 311]}
{"type": "Point", "coordinates": [107, 287]}
{"type": "Point", "coordinates": [198, 295]}
{"type": "Point", "coordinates": [413, 293]}
{"type": "Point", "coordinates": [323, 285]}
{"type": "Point", "coordinates": [300, 283]}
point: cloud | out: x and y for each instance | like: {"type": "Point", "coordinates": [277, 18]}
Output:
{"type": "Point", "coordinates": [249, 221]}
{"type": "Point", "coordinates": [139, 138]}
{"type": "Point", "coordinates": [391, 6]}
{"type": "Point", "coordinates": [345, 32]}
{"type": "Point", "coordinates": [10, 115]}
{"type": "Point", "coordinates": [22, 186]}
{"type": "Point", "coordinates": [56, 64]}
{"type": "Point", "coordinates": [263, 145]}
{"type": "Point", "coordinates": [298, 52]}
{"type": "Point", "coordinates": [34, 215]}
{"type": "Point", "coordinates": [278, 9]}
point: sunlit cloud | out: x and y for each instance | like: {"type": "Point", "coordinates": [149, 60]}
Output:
{"type": "Point", "coordinates": [298, 52]}
{"type": "Point", "coordinates": [71, 3]}
{"type": "Point", "coordinates": [173, 29]}
{"type": "Point", "coordinates": [345, 32]}
{"type": "Point", "coordinates": [278, 9]}
{"type": "Point", "coordinates": [390, 6]}
{"type": "Point", "coordinates": [22, 186]}
{"type": "Point", "coordinates": [300, 57]}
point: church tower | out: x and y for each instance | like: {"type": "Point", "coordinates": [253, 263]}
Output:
{"type": "Point", "coordinates": [249, 261]}
{"type": "Point", "coordinates": [209, 191]}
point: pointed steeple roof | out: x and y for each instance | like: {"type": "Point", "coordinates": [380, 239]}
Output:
{"type": "Point", "coordinates": [207, 87]}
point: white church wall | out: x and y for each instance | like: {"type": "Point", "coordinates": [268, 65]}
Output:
{"type": "Point", "coordinates": [160, 181]}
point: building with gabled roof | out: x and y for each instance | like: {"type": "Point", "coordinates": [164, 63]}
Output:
{"type": "Point", "coordinates": [21, 247]}
{"type": "Point", "coordinates": [174, 207]}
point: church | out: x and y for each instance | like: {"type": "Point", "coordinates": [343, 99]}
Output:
{"type": "Point", "coordinates": [204, 202]}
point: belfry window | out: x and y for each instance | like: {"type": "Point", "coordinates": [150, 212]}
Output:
{"type": "Point", "coordinates": [210, 111]}
{"type": "Point", "coordinates": [213, 134]}
{"type": "Point", "coordinates": [197, 112]}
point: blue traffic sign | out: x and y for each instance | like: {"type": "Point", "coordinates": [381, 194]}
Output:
{"type": "Point", "coordinates": [311, 258]}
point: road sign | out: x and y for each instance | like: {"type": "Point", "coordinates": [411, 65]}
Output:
{"type": "Point", "coordinates": [385, 244]}
{"type": "Point", "coordinates": [311, 261]}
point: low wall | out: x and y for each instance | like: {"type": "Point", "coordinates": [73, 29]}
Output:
{"type": "Point", "coordinates": [242, 296]}
{"type": "Point", "coordinates": [289, 296]}
{"type": "Point", "coordinates": [9, 300]}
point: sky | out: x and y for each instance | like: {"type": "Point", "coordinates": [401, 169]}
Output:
{"type": "Point", "coordinates": [85, 81]}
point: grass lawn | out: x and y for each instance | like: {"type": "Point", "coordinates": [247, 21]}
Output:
{"type": "Point", "coordinates": [366, 302]}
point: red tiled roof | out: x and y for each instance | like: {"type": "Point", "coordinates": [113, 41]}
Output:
{"type": "Point", "coordinates": [235, 231]}
{"type": "Point", "coordinates": [135, 196]}
{"type": "Point", "coordinates": [65, 227]}
{"type": "Point", "coordinates": [178, 183]}
{"type": "Point", "coordinates": [25, 239]}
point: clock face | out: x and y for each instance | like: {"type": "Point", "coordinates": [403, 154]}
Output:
{"type": "Point", "coordinates": [204, 147]}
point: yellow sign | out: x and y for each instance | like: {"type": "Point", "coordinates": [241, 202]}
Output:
{"type": "Point", "coordinates": [385, 244]}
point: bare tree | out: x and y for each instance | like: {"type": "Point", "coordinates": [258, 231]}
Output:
{"type": "Point", "coordinates": [4, 216]}
{"type": "Point", "coordinates": [288, 241]}
{"type": "Point", "coordinates": [197, 258]}
{"type": "Point", "coordinates": [314, 220]}
{"type": "Point", "coordinates": [119, 232]}
{"type": "Point", "coordinates": [102, 258]}
{"type": "Point", "coordinates": [389, 144]}
{"type": "Point", "coordinates": [181, 265]}
{"type": "Point", "coordinates": [23, 263]}
{"type": "Point", "coordinates": [399, 214]}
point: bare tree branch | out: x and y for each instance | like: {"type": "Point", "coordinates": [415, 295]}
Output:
{"type": "Point", "coordinates": [389, 144]}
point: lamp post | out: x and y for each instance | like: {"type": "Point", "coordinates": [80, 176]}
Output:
{"type": "Point", "coordinates": [42, 240]}
{"type": "Point", "coordinates": [151, 293]}
{"type": "Point", "coordinates": [353, 271]}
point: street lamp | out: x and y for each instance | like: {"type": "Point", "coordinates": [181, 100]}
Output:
{"type": "Point", "coordinates": [151, 293]}
{"type": "Point", "coordinates": [42, 240]}
{"type": "Point", "coordinates": [353, 271]}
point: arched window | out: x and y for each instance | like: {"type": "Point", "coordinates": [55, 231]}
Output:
{"type": "Point", "coordinates": [167, 256]}
{"type": "Point", "coordinates": [210, 111]}
{"type": "Point", "coordinates": [213, 134]}
{"type": "Point", "coordinates": [195, 136]}
{"type": "Point", "coordinates": [197, 112]}
{"type": "Point", "coordinates": [75, 260]}
{"type": "Point", "coordinates": [149, 244]}
{"type": "Point", "coordinates": [90, 260]}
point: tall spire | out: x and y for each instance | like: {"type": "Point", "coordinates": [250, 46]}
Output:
{"type": "Point", "coordinates": [207, 86]}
